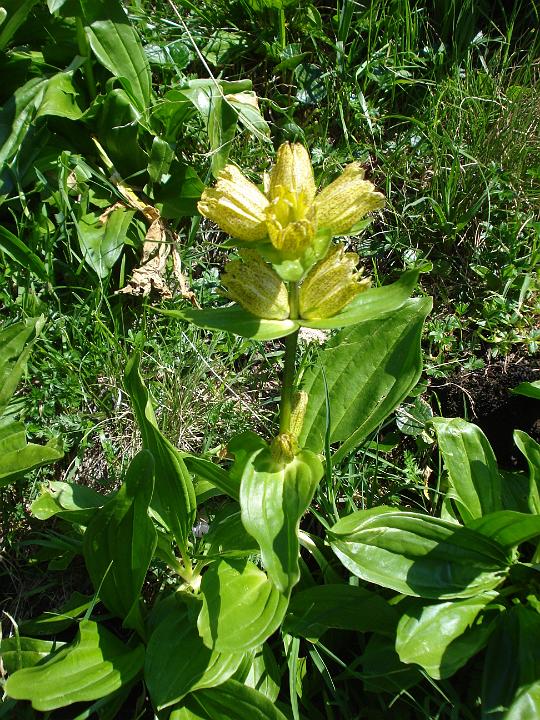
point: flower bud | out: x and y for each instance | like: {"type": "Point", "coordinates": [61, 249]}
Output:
{"type": "Point", "coordinates": [331, 284]}
{"type": "Point", "coordinates": [256, 286]}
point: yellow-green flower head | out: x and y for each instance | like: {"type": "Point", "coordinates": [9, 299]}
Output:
{"type": "Point", "coordinates": [289, 214]}
{"type": "Point", "coordinates": [256, 286]}
{"type": "Point", "coordinates": [331, 284]}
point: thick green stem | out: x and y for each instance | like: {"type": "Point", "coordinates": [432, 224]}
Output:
{"type": "Point", "coordinates": [287, 384]}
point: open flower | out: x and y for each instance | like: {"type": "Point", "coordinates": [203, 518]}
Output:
{"type": "Point", "coordinates": [290, 214]}
{"type": "Point", "coordinates": [331, 284]}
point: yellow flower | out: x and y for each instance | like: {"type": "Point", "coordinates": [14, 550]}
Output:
{"type": "Point", "coordinates": [256, 286]}
{"type": "Point", "coordinates": [289, 215]}
{"type": "Point", "coordinates": [331, 284]}
{"type": "Point", "coordinates": [236, 205]}
{"type": "Point", "coordinates": [340, 205]}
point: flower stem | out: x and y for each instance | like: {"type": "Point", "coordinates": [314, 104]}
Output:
{"type": "Point", "coordinates": [287, 383]}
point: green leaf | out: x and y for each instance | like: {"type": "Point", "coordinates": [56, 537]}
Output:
{"type": "Point", "coordinates": [15, 345]}
{"type": "Point", "coordinates": [93, 666]}
{"type": "Point", "coordinates": [417, 554]}
{"type": "Point", "coordinates": [17, 12]}
{"type": "Point", "coordinates": [526, 705]}
{"type": "Point", "coordinates": [119, 543]}
{"type": "Point", "coordinates": [273, 498]}
{"type": "Point", "coordinates": [17, 250]}
{"type": "Point", "coordinates": [177, 662]}
{"type": "Point", "coordinates": [60, 98]}
{"type": "Point", "coordinates": [241, 607]}
{"type": "Point", "coordinates": [371, 304]}
{"type": "Point", "coordinates": [173, 502]}
{"type": "Point", "coordinates": [117, 46]}
{"type": "Point", "coordinates": [507, 527]}
{"type": "Point", "coordinates": [263, 673]}
{"type": "Point", "coordinates": [369, 370]}
{"type": "Point", "coordinates": [102, 242]}
{"type": "Point", "coordinates": [18, 457]}
{"type": "Point", "coordinates": [512, 662]}
{"type": "Point", "coordinates": [475, 483]}
{"type": "Point", "coordinates": [236, 320]}
{"type": "Point", "coordinates": [227, 536]}
{"type": "Point", "coordinates": [230, 701]}
{"type": "Point", "coordinates": [528, 389]}
{"type": "Point", "coordinates": [75, 503]}
{"type": "Point", "coordinates": [207, 470]}
{"type": "Point", "coordinates": [313, 611]}
{"type": "Point", "coordinates": [531, 450]}
{"type": "Point", "coordinates": [179, 192]}
{"type": "Point", "coordinates": [51, 622]}
{"type": "Point", "coordinates": [17, 115]}
{"type": "Point", "coordinates": [442, 637]}
{"type": "Point", "coordinates": [22, 652]}
{"type": "Point", "coordinates": [383, 671]}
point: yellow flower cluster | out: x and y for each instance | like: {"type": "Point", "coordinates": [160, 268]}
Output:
{"type": "Point", "coordinates": [291, 226]}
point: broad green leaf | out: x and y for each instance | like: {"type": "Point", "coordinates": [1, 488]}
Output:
{"type": "Point", "coordinates": [369, 369]}
{"type": "Point", "coordinates": [75, 503]}
{"type": "Point", "coordinates": [531, 449]}
{"type": "Point", "coordinates": [526, 705]}
{"type": "Point", "coordinates": [249, 115]}
{"type": "Point", "coordinates": [528, 389]}
{"type": "Point", "coordinates": [507, 527]}
{"type": "Point", "coordinates": [209, 471]}
{"type": "Point", "coordinates": [60, 98]}
{"type": "Point", "coordinates": [177, 661]}
{"type": "Point", "coordinates": [18, 457]}
{"type": "Point", "coordinates": [371, 304]}
{"type": "Point", "coordinates": [236, 320]}
{"type": "Point", "coordinates": [55, 621]}
{"type": "Point", "coordinates": [96, 664]}
{"type": "Point", "coordinates": [442, 637]}
{"type": "Point", "coordinates": [15, 345]}
{"type": "Point", "coordinates": [518, 492]}
{"type": "Point", "coordinates": [117, 46]}
{"type": "Point", "coordinates": [16, 12]}
{"type": "Point", "coordinates": [417, 554]}
{"type": "Point", "coordinates": [512, 662]}
{"type": "Point", "coordinates": [17, 115]}
{"type": "Point", "coordinates": [383, 671]}
{"type": "Point", "coordinates": [273, 498]}
{"type": "Point", "coordinates": [117, 121]}
{"type": "Point", "coordinates": [227, 536]}
{"type": "Point", "coordinates": [475, 483]}
{"type": "Point", "coordinates": [241, 607]}
{"type": "Point", "coordinates": [119, 543]}
{"type": "Point", "coordinates": [102, 242]}
{"type": "Point", "coordinates": [161, 156]}
{"type": "Point", "coordinates": [230, 701]}
{"type": "Point", "coordinates": [313, 611]}
{"type": "Point", "coordinates": [263, 674]}
{"type": "Point", "coordinates": [16, 249]}
{"type": "Point", "coordinates": [173, 502]}
{"type": "Point", "coordinates": [178, 193]}
{"type": "Point", "coordinates": [22, 652]}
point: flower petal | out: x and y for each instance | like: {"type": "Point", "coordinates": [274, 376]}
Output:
{"type": "Point", "coordinates": [331, 284]}
{"type": "Point", "coordinates": [345, 201]}
{"type": "Point", "coordinates": [294, 173]}
{"type": "Point", "coordinates": [256, 286]}
{"type": "Point", "coordinates": [236, 205]}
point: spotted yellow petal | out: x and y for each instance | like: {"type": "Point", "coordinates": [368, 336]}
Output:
{"type": "Point", "coordinates": [293, 173]}
{"type": "Point", "coordinates": [345, 201]}
{"type": "Point", "coordinates": [331, 284]}
{"type": "Point", "coordinates": [236, 205]}
{"type": "Point", "coordinates": [256, 286]}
